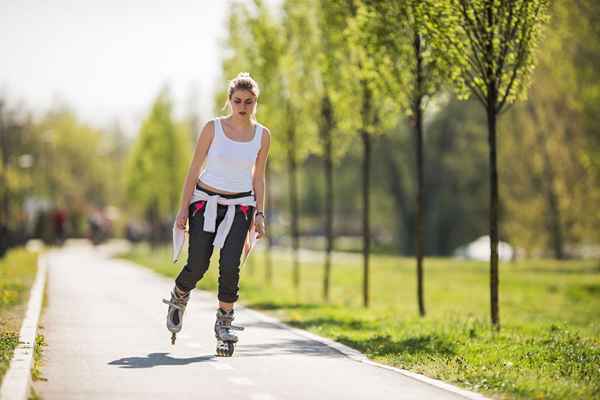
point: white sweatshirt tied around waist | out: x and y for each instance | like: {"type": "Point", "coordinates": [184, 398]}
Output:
{"type": "Point", "coordinates": [210, 218]}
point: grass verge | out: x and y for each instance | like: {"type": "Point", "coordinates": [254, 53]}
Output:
{"type": "Point", "coordinates": [17, 273]}
{"type": "Point", "coordinates": [548, 347]}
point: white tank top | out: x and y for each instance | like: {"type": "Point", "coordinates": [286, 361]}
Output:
{"type": "Point", "coordinates": [229, 163]}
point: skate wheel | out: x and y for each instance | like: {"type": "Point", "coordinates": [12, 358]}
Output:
{"type": "Point", "coordinates": [230, 349]}
{"type": "Point", "coordinates": [225, 349]}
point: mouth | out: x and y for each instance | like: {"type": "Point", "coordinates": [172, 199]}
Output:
{"type": "Point", "coordinates": [243, 112]}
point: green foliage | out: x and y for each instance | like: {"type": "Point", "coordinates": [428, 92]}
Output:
{"type": "Point", "coordinates": [157, 165]}
{"type": "Point", "coordinates": [357, 106]}
{"type": "Point", "coordinates": [547, 146]}
{"type": "Point", "coordinates": [15, 180]}
{"type": "Point", "coordinates": [301, 77]}
{"type": "Point", "coordinates": [255, 43]}
{"type": "Point", "coordinates": [73, 161]}
{"type": "Point", "coordinates": [352, 51]}
{"type": "Point", "coordinates": [489, 45]}
{"type": "Point", "coordinates": [388, 31]}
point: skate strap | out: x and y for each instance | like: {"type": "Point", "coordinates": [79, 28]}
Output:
{"type": "Point", "coordinates": [173, 304]}
{"type": "Point", "coordinates": [223, 325]}
{"type": "Point", "coordinates": [236, 328]}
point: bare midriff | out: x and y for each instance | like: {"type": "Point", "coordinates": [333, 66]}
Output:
{"type": "Point", "coordinates": [212, 189]}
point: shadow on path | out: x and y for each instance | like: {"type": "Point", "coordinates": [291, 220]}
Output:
{"type": "Point", "coordinates": [156, 359]}
{"type": "Point", "coordinates": [305, 347]}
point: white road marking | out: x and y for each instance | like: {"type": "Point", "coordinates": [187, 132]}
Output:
{"type": "Point", "coordinates": [241, 381]}
{"type": "Point", "coordinates": [221, 366]}
{"type": "Point", "coordinates": [261, 396]}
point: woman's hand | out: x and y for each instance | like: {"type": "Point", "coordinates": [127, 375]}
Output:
{"type": "Point", "coordinates": [182, 217]}
{"type": "Point", "coordinates": [259, 225]}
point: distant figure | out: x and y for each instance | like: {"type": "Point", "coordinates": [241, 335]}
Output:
{"type": "Point", "coordinates": [4, 239]}
{"type": "Point", "coordinates": [59, 218]}
{"type": "Point", "coordinates": [99, 226]}
{"type": "Point", "coordinates": [225, 204]}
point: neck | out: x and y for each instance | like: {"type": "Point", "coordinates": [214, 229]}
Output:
{"type": "Point", "coordinates": [243, 121]}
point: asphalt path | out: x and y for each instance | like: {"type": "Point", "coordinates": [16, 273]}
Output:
{"type": "Point", "coordinates": [104, 324]}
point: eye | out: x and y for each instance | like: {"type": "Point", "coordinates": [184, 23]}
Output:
{"type": "Point", "coordinates": [237, 101]}
{"type": "Point", "coordinates": [249, 101]}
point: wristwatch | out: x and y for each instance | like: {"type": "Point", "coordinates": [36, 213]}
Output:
{"type": "Point", "coordinates": [259, 213]}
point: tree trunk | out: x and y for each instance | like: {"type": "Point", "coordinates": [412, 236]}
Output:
{"type": "Point", "coordinates": [366, 117]}
{"type": "Point", "coordinates": [293, 193]}
{"type": "Point", "coordinates": [418, 113]}
{"type": "Point", "coordinates": [4, 150]}
{"type": "Point", "coordinates": [366, 229]}
{"type": "Point", "coordinates": [491, 120]}
{"type": "Point", "coordinates": [268, 259]}
{"type": "Point", "coordinates": [326, 127]}
{"type": "Point", "coordinates": [492, 114]}
{"type": "Point", "coordinates": [552, 200]}
{"type": "Point", "coordinates": [398, 192]}
{"type": "Point", "coordinates": [553, 204]}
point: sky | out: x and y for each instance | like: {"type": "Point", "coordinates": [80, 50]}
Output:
{"type": "Point", "coordinates": [109, 59]}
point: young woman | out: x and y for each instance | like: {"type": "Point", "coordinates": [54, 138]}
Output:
{"type": "Point", "coordinates": [222, 203]}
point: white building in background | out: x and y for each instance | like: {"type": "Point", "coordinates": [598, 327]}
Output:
{"type": "Point", "coordinates": [480, 250]}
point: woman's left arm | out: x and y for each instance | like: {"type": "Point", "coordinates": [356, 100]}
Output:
{"type": "Point", "coordinates": [259, 182]}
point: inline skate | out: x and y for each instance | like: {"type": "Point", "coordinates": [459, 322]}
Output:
{"type": "Point", "coordinates": [226, 339]}
{"type": "Point", "coordinates": [177, 304]}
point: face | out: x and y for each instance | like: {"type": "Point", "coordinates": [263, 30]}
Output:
{"type": "Point", "coordinates": [242, 103]}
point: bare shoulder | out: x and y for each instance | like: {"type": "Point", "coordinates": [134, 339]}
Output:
{"type": "Point", "coordinates": [208, 131]}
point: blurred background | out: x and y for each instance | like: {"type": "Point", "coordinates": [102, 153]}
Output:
{"type": "Point", "coordinates": [101, 104]}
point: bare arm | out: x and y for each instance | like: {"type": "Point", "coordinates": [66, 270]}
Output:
{"type": "Point", "coordinates": [202, 145]}
{"type": "Point", "coordinates": [258, 178]}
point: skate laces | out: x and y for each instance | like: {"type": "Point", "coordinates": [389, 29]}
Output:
{"type": "Point", "coordinates": [180, 298]}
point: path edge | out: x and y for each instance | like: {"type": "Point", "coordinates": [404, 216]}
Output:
{"type": "Point", "coordinates": [16, 384]}
{"type": "Point", "coordinates": [360, 357]}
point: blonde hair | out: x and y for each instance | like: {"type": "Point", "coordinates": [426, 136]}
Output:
{"type": "Point", "coordinates": [243, 81]}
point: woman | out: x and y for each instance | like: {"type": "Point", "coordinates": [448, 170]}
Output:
{"type": "Point", "coordinates": [223, 202]}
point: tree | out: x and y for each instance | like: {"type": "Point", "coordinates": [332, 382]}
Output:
{"type": "Point", "coordinates": [255, 44]}
{"type": "Point", "coordinates": [411, 70]}
{"type": "Point", "coordinates": [491, 43]}
{"type": "Point", "coordinates": [15, 176]}
{"type": "Point", "coordinates": [157, 166]}
{"type": "Point", "coordinates": [358, 105]}
{"type": "Point", "coordinates": [275, 52]}
{"type": "Point", "coordinates": [301, 92]}
{"type": "Point", "coordinates": [332, 21]}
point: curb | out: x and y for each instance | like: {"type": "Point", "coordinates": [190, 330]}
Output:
{"type": "Point", "coordinates": [16, 383]}
{"type": "Point", "coordinates": [360, 357]}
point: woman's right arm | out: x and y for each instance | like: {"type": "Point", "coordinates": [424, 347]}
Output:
{"type": "Point", "coordinates": [202, 145]}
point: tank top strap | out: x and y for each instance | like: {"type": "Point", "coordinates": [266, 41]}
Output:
{"type": "Point", "coordinates": [258, 134]}
{"type": "Point", "coordinates": [218, 127]}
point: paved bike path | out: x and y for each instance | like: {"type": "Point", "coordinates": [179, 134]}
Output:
{"type": "Point", "coordinates": [105, 329]}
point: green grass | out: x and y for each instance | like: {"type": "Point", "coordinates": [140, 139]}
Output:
{"type": "Point", "coordinates": [36, 370]}
{"type": "Point", "coordinates": [17, 273]}
{"type": "Point", "coordinates": [548, 347]}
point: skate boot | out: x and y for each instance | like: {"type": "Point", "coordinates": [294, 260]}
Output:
{"type": "Point", "coordinates": [225, 338]}
{"type": "Point", "coordinates": [177, 304]}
